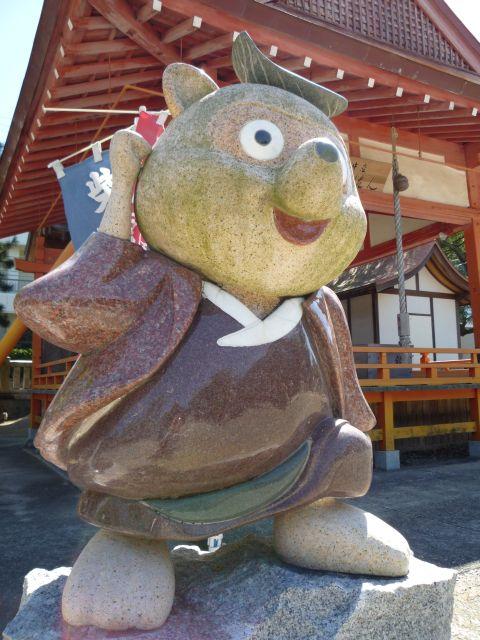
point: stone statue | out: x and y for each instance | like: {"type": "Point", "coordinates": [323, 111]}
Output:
{"type": "Point", "coordinates": [216, 384]}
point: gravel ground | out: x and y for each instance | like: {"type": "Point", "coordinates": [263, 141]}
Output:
{"type": "Point", "coordinates": [437, 508]}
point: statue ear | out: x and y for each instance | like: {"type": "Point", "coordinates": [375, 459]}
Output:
{"type": "Point", "coordinates": [183, 85]}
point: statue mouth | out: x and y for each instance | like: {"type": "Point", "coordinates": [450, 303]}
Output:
{"type": "Point", "coordinates": [296, 230]}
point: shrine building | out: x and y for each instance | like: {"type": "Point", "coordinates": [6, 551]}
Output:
{"type": "Point", "coordinates": [410, 64]}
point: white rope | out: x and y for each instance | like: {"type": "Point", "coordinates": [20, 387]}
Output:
{"type": "Point", "coordinates": [404, 325]}
{"type": "Point", "coordinates": [87, 148]}
{"type": "Point", "coordinates": [114, 111]}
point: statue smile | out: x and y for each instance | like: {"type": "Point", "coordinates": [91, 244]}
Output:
{"type": "Point", "coordinates": [298, 231]}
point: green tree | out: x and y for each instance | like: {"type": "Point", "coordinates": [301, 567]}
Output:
{"type": "Point", "coordinates": [5, 263]}
{"type": "Point", "coordinates": [454, 248]}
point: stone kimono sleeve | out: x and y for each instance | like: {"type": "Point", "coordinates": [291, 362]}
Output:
{"type": "Point", "coordinates": [123, 308]}
{"type": "Point", "coordinates": [331, 338]}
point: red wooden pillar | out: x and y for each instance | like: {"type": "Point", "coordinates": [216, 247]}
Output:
{"type": "Point", "coordinates": [472, 235]}
{"type": "Point", "coordinates": [472, 246]}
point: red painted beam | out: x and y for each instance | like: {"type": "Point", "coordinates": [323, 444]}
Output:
{"type": "Point", "coordinates": [410, 240]}
{"type": "Point", "coordinates": [420, 209]}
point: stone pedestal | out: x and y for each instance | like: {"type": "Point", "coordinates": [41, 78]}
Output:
{"type": "Point", "coordinates": [474, 449]}
{"type": "Point", "coordinates": [387, 460]}
{"type": "Point", "coordinates": [245, 591]}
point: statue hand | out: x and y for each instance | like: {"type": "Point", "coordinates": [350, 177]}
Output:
{"type": "Point", "coordinates": [128, 151]}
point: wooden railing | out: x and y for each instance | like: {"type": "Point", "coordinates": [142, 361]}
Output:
{"type": "Point", "coordinates": [50, 375]}
{"type": "Point", "coordinates": [15, 376]}
{"type": "Point", "coordinates": [386, 380]}
{"type": "Point", "coordinates": [424, 370]}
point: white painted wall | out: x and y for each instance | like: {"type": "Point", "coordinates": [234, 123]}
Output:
{"type": "Point", "coordinates": [418, 304]}
{"type": "Point", "coordinates": [382, 228]}
{"type": "Point", "coordinates": [362, 319]}
{"type": "Point", "coordinates": [388, 309]}
{"type": "Point", "coordinates": [445, 322]}
{"type": "Point", "coordinates": [420, 326]}
{"type": "Point", "coordinates": [421, 332]}
{"type": "Point", "coordinates": [430, 283]}
{"type": "Point", "coordinates": [445, 314]}
{"type": "Point", "coordinates": [428, 180]}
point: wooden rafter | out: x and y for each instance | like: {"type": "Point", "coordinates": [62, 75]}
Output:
{"type": "Point", "coordinates": [407, 105]}
{"type": "Point", "coordinates": [352, 84]}
{"type": "Point", "coordinates": [438, 114]}
{"type": "Point", "coordinates": [52, 132]}
{"type": "Point", "coordinates": [121, 45]}
{"type": "Point", "coordinates": [110, 66]}
{"type": "Point", "coordinates": [209, 46]}
{"type": "Point", "coordinates": [121, 16]}
{"type": "Point", "coordinates": [145, 13]}
{"type": "Point", "coordinates": [377, 93]}
{"type": "Point", "coordinates": [107, 84]}
{"type": "Point", "coordinates": [182, 29]}
{"type": "Point", "coordinates": [98, 100]}
{"type": "Point", "coordinates": [297, 64]}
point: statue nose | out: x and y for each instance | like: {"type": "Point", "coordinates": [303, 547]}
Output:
{"type": "Point", "coordinates": [310, 183]}
{"type": "Point", "coordinates": [326, 151]}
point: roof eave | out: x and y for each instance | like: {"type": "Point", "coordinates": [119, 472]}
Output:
{"type": "Point", "coordinates": [369, 52]}
{"type": "Point", "coordinates": [47, 39]}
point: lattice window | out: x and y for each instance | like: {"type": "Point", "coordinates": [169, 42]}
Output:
{"type": "Point", "coordinates": [400, 23]}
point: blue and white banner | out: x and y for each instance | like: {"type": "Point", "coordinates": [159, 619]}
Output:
{"type": "Point", "coordinates": [86, 188]}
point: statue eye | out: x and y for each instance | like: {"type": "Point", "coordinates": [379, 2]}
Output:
{"type": "Point", "coordinates": [261, 139]}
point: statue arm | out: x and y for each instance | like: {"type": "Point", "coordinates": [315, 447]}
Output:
{"type": "Point", "coordinates": [95, 296]}
{"type": "Point", "coordinates": [128, 152]}
{"type": "Point", "coordinates": [357, 410]}
{"type": "Point", "coordinates": [328, 329]}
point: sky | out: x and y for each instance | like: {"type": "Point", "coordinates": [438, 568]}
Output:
{"type": "Point", "coordinates": [18, 23]}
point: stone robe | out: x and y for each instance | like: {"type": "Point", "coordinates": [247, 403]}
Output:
{"type": "Point", "coordinates": [154, 410]}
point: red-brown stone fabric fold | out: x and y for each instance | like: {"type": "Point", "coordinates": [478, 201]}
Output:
{"type": "Point", "coordinates": [331, 337]}
{"type": "Point", "coordinates": [125, 308]}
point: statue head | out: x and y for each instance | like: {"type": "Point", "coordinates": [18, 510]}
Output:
{"type": "Point", "coordinates": [251, 185]}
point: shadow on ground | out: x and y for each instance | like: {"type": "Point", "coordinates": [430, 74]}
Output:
{"type": "Point", "coordinates": [38, 523]}
{"type": "Point", "coordinates": [437, 508]}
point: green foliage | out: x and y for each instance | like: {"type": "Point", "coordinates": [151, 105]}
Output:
{"type": "Point", "coordinates": [454, 248]}
{"type": "Point", "coordinates": [21, 353]}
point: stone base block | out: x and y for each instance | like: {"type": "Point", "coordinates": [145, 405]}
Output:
{"type": "Point", "coordinates": [387, 460]}
{"type": "Point", "coordinates": [474, 449]}
{"type": "Point", "coordinates": [244, 591]}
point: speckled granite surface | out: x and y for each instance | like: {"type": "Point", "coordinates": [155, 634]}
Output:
{"type": "Point", "coordinates": [244, 592]}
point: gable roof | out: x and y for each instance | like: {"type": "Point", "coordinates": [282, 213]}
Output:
{"type": "Point", "coordinates": [88, 54]}
{"type": "Point", "coordinates": [427, 28]}
{"type": "Point", "coordinates": [382, 274]}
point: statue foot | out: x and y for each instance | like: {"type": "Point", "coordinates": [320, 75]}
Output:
{"type": "Point", "coordinates": [120, 582]}
{"type": "Point", "coordinates": [331, 535]}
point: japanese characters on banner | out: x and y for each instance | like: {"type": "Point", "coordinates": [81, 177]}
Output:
{"type": "Point", "coordinates": [86, 187]}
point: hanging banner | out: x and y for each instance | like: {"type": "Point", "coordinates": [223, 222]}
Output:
{"type": "Point", "coordinates": [86, 188]}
